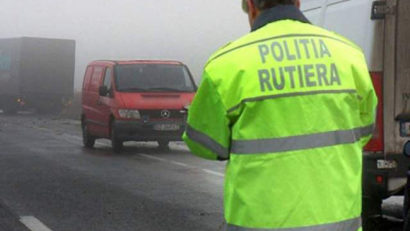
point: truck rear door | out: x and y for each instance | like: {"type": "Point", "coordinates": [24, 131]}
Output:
{"type": "Point", "coordinates": [396, 82]}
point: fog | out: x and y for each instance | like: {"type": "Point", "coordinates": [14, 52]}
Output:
{"type": "Point", "coordinates": [184, 30]}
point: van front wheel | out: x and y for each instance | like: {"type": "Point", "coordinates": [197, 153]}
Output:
{"type": "Point", "coordinates": [116, 143]}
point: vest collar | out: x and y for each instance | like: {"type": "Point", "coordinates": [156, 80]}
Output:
{"type": "Point", "coordinates": [280, 12]}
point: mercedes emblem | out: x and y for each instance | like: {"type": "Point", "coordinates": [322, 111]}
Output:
{"type": "Point", "coordinates": [165, 114]}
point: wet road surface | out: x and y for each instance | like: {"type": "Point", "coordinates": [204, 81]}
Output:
{"type": "Point", "coordinates": [50, 182]}
{"type": "Point", "coordinates": [45, 173]}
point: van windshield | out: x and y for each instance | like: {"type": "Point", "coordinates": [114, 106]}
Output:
{"type": "Point", "coordinates": [153, 77]}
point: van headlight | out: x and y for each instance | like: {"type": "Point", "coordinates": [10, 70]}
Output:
{"type": "Point", "coordinates": [129, 114]}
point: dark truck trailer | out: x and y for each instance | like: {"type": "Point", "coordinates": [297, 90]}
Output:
{"type": "Point", "coordinates": [36, 73]}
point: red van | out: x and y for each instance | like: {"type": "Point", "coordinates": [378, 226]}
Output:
{"type": "Point", "coordinates": [139, 100]}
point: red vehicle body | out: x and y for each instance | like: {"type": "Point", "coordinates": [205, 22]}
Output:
{"type": "Point", "coordinates": [139, 100]}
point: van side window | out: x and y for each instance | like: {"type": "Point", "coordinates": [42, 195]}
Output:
{"type": "Point", "coordinates": [96, 79]}
{"type": "Point", "coordinates": [107, 78]}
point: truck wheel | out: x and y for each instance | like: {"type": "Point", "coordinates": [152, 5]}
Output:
{"type": "Point", "coordinates": [406, 208]}
{"type": "Point", "coordinates": [88, 139]}
{"type": "Point", "coordinates": [372, 224]}
{"type": "Point", "coordinates": [163, 144]}
{"type": "Point", "coordinates": [116, 143]}
{"type": "Point", "coordinates": [371, 213]}
{"type": "Point", "coordinates": [407, 223]}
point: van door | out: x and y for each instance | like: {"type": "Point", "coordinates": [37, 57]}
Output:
{"type": "Point", "coordinates": [95, 126]}
{"type": "Point", "coordinates": [105, 103]}
{"type": "Point", "coordinates": [397, 77]}
{"type": "Point", "coordinates": [86, 85]}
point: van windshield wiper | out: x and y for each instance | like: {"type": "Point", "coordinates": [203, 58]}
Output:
{"type": "Point", "coordinates": [164, 89]}
{"type": "Point", "coordinates": [133, 89]}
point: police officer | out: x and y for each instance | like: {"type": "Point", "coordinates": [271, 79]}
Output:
{"type": "Point", "coordinates": [290, 106]}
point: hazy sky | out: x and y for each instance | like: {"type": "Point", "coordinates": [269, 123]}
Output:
{"type": "Point", "coordinates": [185, 30]}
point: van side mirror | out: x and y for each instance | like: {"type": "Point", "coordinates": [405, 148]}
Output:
{"type": "Point", "coordinates": [103, 91]}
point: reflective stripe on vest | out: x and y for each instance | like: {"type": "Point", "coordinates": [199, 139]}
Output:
{"type": "Point", "coordinates": [207, 142]}
{"type": "Point", "coordinates": [282, 144]}
{"type": "Point", "coordinates": [293, 143]}
{"type": "Point", "coordinates": [348, 225]}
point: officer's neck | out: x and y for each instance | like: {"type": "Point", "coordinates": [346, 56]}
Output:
{"type": "Point", "coordinates": [277, 13]}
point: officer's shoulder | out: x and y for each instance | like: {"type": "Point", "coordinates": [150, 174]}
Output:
{"type": "Point", "coordinates": [227, 48]}
{"type": "Point", "coordinates": [221, 50]}
{"type": "Point", "coordinates": [340, 38]}
{"type": "Point", "coordinates": [348, 41]}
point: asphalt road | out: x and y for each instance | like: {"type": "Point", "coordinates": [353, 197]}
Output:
{"type": "Point", "coordinates": [46, 175]}
{"type": "Point", "coordinates": [48, 181]}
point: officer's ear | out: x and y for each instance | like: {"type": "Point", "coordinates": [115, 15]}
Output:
{"type": "Point", "coordinates": [297, 3]}
{"type": "Point", "coordinates": [253, 12]}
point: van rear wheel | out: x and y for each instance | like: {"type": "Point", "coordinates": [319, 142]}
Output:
{"type": "Point", "coordinates": [116, 143]}
{"type": "Point", "coordinates": [88, 139]}
{"type": "Point", "coordinates": [163, 144]}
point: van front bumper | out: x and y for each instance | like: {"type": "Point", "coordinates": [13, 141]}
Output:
{"type": "Point", "coordinates": [149, 130]}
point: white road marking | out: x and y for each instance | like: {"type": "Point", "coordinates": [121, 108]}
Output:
{"type": "Point", "coordinates": [41, 128]}
{"type": "Point", "coordinates": [213, 172]}
{"type": "Point", "coordinates": [181, 164]}
{"type": "Point", "coordinates": [33, 223]}
{"type": "Point", "coordinates": [102, 143]}
{"type": "Point", "coordinates": [70, 138]}
{"type": "Point", "coordinates": [153, 157]}
{"type": "Point", "coordinates": [73, 137]}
